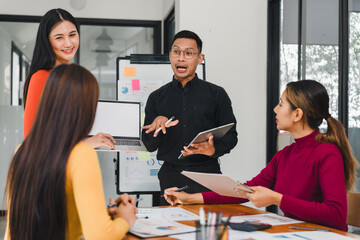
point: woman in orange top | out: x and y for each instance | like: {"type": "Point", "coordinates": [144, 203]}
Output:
{"type": "Point", "coordinates": [56, 43]}
{"type": "Point", "coordinates": [54, 185]}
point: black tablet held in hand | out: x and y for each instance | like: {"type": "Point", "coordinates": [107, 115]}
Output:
{"type": "Point", "coordinates": [249, 226]}
{"type": "Point", "coordinates": [217, 133]}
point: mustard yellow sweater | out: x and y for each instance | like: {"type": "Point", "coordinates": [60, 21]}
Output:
{"type": "Point", "coordinates": [86, 206]}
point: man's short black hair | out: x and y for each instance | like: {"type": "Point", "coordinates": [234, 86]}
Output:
{"type": "Point", "coordinates": [190, 35]}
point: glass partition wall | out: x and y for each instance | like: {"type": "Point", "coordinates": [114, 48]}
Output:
{"type": "Point", "coordinates": [354, 80]}
{"type": "Point", "coordinates": [319, 40]}
{"type": "Point", "coordinates": [101, 45]}
{"type": "Point", "coordinates": [101, 42]}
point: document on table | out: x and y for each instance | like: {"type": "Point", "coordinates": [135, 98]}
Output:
{"type": "Point", "coordinates": [232, 235]}
{"type": "Point", "coordinates": [170, 214]}
{"type": "Point", "coordinates": [157, 226]}
{"type": "Point", "coordinates": [268, 218]}
{"type": "Point", "coordinates": [308, 235]}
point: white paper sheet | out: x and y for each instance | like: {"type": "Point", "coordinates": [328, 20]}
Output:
{"type": "Point", "coordinates": [170, 214]}
{"type": "Point", "coordinates": [239, 235]}
{"type": "Point", "coordinates": [232, 235]}
{"type": "Point", "coordinates": [269, 218]}
{"type": "Point", "coordinates": [157, 226]}
{"type": "Point", "coordinates": [308, 235]}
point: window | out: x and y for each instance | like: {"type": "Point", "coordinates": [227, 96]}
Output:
{"type": "Point", "coordinates": [309, 45]}
{"type": "Point", "coordinates": [169, 30]}
{"type": "Point", "coordinates": [354, 81]}
{"type": "Point", "coordinates": [319, 40]}
{"type": "Point", "coordinates": [101, 45]}
{"type": "Point", "coordinates": [19, 69]}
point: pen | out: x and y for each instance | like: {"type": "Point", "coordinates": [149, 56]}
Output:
{"type": "Point", "coordinates": [224, 228]}
{"type": "Point", "coordinates": [180, 189]}
{"type": "Point", "coordinates": [309, 229]}
{"type": "Point", "coordinates": [218, 221]}
{"type": "Point", "coordinates": [118, 203]}
{"type": "Point", "coordinates": [168, 121]}
{"type": "Point", "coordinates": [218, 224]}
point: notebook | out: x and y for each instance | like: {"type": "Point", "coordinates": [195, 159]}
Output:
{"type": "Point", "coordinates": [123, 121]}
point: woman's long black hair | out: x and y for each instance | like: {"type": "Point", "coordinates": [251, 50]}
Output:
{"type": "Point", "coordinates": [37, 173]}
{"type": "Point", "coordinates": [44, 56]}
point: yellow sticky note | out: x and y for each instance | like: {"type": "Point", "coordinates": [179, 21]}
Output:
{"type": "Point", "coordinates": [142, 119]}
{"type": "Point", "coordinates": [144, 156]}
{"type": "Point", "coordinates": [129, 71]}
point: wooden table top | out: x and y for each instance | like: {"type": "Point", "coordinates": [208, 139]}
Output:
{"type": "Point", "coordinates": [238, 210]}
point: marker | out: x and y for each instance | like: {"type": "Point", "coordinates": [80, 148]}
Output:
{"type": "Point", "coordinates": [118, 203]}
{"type": "Point", "coordinates": [180, 189]}
{"type": "Point", "coordinates": [202, 223]}
{"type": "Point", "coordinates": [202, 216]}
{"type": "Point", "coordinates": [168, 121]}
{"type": "Point", "coordinates": [309, 229]}
{"type": "Point", "coordinates": [226, 224]}
{"type": "Point", "coordinates": [212, 225]}
{"type": "Point", "coordinates": [208, 218]}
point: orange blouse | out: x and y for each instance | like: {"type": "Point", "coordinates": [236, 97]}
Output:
{"type": "Point", "coordinates": [36, 86]}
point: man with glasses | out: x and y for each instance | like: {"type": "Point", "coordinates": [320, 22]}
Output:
{"type": "Point", "coordinates": [197, 105]}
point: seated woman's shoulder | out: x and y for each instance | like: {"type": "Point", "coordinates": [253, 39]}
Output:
{"type": "Point", "coordinates": [328, 146]}
{"type": "Point", "coordinates": [82, 151]}
{"type": "Point", "coordinates": [327, 149]}
{"type": "Point", "coordinates": [82, 147]}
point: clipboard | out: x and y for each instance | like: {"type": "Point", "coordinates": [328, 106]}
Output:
{"type": "Point", "coordinates": [217, 133]}
{"type": "Point", "coordinates": [219, 183]}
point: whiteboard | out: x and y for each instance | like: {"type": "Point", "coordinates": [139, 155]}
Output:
{"type": "Point", "coordinates": [137, 76]}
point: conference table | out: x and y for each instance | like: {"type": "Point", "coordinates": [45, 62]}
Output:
{"type": "Point", "coordinates": [238, 210]}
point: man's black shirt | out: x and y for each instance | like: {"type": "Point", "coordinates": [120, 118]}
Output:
{"type": "Point", "coordinates": [198, 106]}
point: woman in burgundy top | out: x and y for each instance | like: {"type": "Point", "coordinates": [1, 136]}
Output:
{"type": "Point", "coordinates": [309, 179]}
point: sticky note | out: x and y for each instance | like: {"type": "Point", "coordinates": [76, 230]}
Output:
{"type": "Point", "coordinates": [129, 71]}
{"type": "Point", "coordinates": [142, 119]}
{"type": "Point", "coordinates": [135, 84]}
{"type": "Point", "coordinates": [144, 156]}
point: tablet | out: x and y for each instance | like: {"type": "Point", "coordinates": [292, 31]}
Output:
{"type": "Point", "coordinates": [221, 184]}
{"type": "Point", "coordinates": [217, 133]}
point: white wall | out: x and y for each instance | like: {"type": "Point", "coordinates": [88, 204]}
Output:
{"type": "Point", "coordinates": [167, 6]}
{"type": "Point", "coordinates": [234, 34]}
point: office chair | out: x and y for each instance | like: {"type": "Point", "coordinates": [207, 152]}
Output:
{"type": "Point", "coordinates": [353, 210]}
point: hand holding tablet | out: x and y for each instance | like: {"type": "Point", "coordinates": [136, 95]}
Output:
{"type": "Point", "coordinates": [217, 133]}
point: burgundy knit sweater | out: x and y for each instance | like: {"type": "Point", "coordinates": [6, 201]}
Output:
{"type": "Point", "coordinates": [311, 178]}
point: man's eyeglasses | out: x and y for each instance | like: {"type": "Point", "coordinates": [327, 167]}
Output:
{"type": "Point", "coordinates": [188, 54]}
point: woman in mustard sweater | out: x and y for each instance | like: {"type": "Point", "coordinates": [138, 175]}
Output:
{"type": "Point", "coordinates": [54, 184]}
{"type": "Point", "coordinates": [57, 42]}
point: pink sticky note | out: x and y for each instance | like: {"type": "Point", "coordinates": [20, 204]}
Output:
{"type": "Point", "coordinates": [135, 84]}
